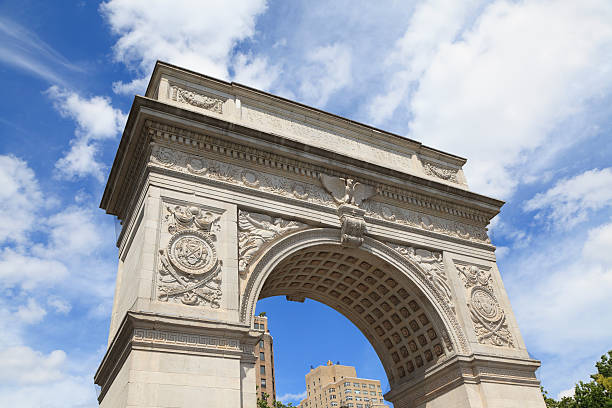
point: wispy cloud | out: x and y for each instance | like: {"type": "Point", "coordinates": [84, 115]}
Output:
{"type": "Point", "coordinates": [23, 49]}
{"type": "Point", "coordinates": [571, 200]}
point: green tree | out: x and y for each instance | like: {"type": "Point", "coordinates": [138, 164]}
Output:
{"type": "Point", "coordinates": [263, 403]}
{"type": "Point", "coordinates": [596, 393]}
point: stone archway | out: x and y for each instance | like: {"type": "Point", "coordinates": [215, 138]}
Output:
{"type": "Point", "coordinates": [386, 295]}
{"type": "Point", "coordinates": [227, 194]}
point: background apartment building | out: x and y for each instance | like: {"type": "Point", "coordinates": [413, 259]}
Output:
{"type": "Point", "coordinates": [265, 361]}
{"type": "Point", "coordinates": [335, 385]}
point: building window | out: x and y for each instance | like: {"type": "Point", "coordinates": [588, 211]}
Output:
{"type": "Point", "coordinates": [262, 370]}
{"type": "Point", "coordinates": [371, 385]}
{"type": "Point", "coordinates": [364, 385]}
{"type": "Point", "coordinates": [357, 392]}
{"type": "Point", "coordinates": [333, 396]}
{"type": "Point", "coordinates": [351, 405]}
{"type": "Point", "coordinates": [332, 390]}
{"type": "Point", "coordinates": [355, 385]}
{"type": "Point", "coordinates": [348, 391]}
{"type": "Point", "coordinates": [261, 344]}
{"type": "Point", "coordinates": [372, 393]}
{"type": "Point", "coordinates": [349, 398]}
{"type": "Point", "coordinates": [334, 404]}
{"type": "Point", "coordinates": [262, 356]}
{"type": "Point", "coordinates": [347, 384]}
{"type": "Point", "coordinates": [263, 383]}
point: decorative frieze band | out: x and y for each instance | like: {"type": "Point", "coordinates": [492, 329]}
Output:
{"type": "Point", "coordinates": [313, 194]}
{"type": "Point", "coordinates": [190, 339]}
{"type": "Point", "coordinates": [168, 133]}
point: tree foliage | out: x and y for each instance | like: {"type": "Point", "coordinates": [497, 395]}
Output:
{"type": "Point", "coordinates": [596, 393]}
{"type": "Point", "coordinates": [263, 403]}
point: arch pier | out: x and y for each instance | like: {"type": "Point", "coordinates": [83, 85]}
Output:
{"type": "Point", "coordinates": [228, 195]}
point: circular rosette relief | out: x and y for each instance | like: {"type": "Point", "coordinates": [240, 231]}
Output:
{"type": "Point", "coordinates": [485, 305]}
{"type": "Point", "coordinates": [192, 253]}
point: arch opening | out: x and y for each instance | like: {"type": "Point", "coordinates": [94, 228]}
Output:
{"type": "Point", "coordinates": [383, 302]}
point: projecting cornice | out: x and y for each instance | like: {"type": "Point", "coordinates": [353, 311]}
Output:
{"type": "Point", "coordinates": [133, 151]}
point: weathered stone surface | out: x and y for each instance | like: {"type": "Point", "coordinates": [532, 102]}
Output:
{"type": "Point", "coordinates": [228, 195]}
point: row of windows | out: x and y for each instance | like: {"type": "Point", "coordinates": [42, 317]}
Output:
{"type": "Point", "coordinates": [349, 391]}
{"type": "Point", "coordinates": [348, 384]}
{"type": "Point", "coordinates": [260, 326]}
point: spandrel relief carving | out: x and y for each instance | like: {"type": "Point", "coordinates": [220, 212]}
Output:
{"type": "Point", "coordinates": [256, 230]}
{"type": "Point", "coordinates": [486, 313]}
{"type": "Point", "coordinates": [190, 270]}
{"type": "Point", "coordinates": [432, 268]}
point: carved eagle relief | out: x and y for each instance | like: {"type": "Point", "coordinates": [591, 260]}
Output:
{"type": "Point", "coordinates": [346, 190]}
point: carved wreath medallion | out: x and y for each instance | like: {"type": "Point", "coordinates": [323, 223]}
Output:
{"type": "Point", "coordinates": [485, 305]}
{"type": "Point", "coordinates": [192, 253]}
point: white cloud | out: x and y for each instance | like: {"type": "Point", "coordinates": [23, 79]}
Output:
{"type": "Point", "coordinates": [20, 198]}
{"type": "Point", "coordinates": [22, 365]}
{"type": "Point", "coordinates": [289, 397]}
{"type": "Point", "coordinates": [328, 70]}
{"type": "Point", "coordinates": [566, 393]}
{"type": "Point", "coordinates": [570, 200]}
{"type": "Point", "coordinates": [19, 269]}
{"type": "Point", "coordinates": [432, 25]}
{"type": "Point", "coordinates": [496, 83]}
{"type": "Point", "coordinates": [31, 378]}
{"type": "Point", "coordinates": [31, 313]}
{"type": "Point", "coordinates": [96, 120]}
{"type": "Point", "coordinates": [254, 72]}
{"type": "Point", "coordinates": [560, 290]}
{"type": "Point", "coordinates": [193, 34]}
{"type": "Point", "coordinates": [59, 305]}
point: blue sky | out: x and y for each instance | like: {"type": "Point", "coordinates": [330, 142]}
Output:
{"type": "Point", "coordinates": [522, 89]}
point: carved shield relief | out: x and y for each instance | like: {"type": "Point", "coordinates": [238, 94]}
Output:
{"type": "Point", "coordinates": [189, 269]}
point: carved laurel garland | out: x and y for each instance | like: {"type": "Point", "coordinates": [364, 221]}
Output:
{"type": "Point", "coordinates": [439, 171]}
{"type": "Point", "coordinates": [489, 319]}
{"type": "Point", "coordinates": [432, 268]}
{"type": "Point", "coordinates": [255, 230]}
{"type": "Point", "coordinates": [199, 100]}
{"type": "Point", "coordinates": [189, 269]}
{"type": "Point", "coordinates": [200, 166]}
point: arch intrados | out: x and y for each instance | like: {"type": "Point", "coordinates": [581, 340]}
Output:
{"type": "Point", "coordinates": [404, 350]}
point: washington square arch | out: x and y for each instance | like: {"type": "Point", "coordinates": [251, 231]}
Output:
{"type": "Point", "coordinates": [227, 195]}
